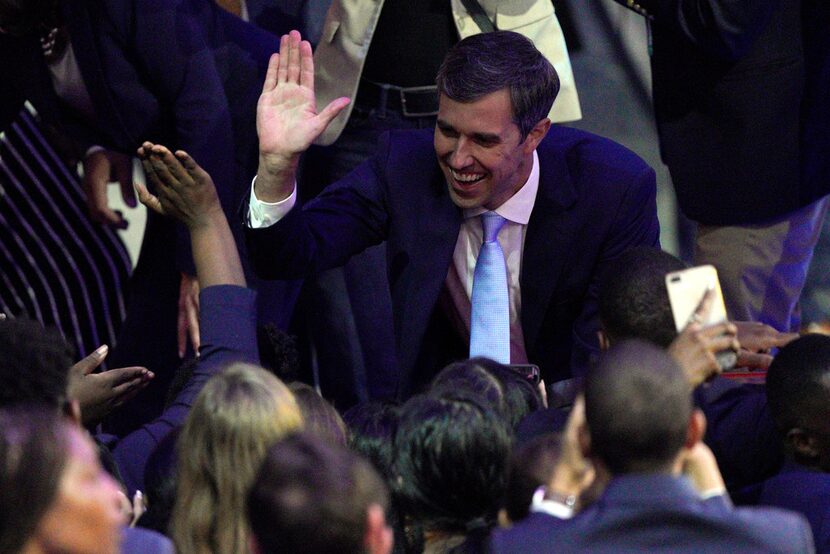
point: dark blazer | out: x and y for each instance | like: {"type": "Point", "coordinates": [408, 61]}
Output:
{"type": "Point", "coordinates": [740, 96]}
{"type": "Point", "coordinates": [228, 324]}
{"type": "Point", "coordinates": [658, 513]}
{"type": "Point", "coordinates": [802, 490]}
{"type": "Point", "coordinates": [596, 199]}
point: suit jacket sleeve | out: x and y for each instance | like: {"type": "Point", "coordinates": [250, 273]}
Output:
{"type": "Point", "coordinates": [228, 326]}
{"type": "Point", "coordinates": [725, 29]}
{"type": "Point", "coordinates": [634, 224]}
{"type": "Point", "coordinates": [347, 217]}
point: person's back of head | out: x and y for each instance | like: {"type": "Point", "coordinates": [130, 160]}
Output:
{"type": "Point", "coordinates": [451, 462]}
{"type": "Point", "coordinates": [798, 392]}
{"type": "Point", "coordinates": [372, 427]}
{"type": "Point", "coordinates": [633, 300]}
{"type": "Point", "coordinates": [319, 416]}
{"type": "Point", "coordinates": [637, 409]}
{"type": "Point", "coordinates": [34, 364]}
{"type": "Point", "coordinates": [531, 466]}
{"type": "Point", "coordinates": [508, 392]}
{"type": "Point", "coordinates": [315, 497]}
{"type": "Point", "coordinates": [238, 414]}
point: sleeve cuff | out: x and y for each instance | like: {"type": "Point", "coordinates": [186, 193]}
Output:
{"type": "Point", "coordinates": [264, 214]}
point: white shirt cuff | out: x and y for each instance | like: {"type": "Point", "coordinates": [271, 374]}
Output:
{"type": "Point", "coordinates": [264, 214]}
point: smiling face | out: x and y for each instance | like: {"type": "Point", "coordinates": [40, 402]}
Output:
{"type": "Point", "coordinates": [480, 149]}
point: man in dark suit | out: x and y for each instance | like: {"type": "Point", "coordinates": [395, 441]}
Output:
{"type": "Point", "coordinates": [108, 75]}
{"type": "Point", "coordinates": [740, 92]}
{"type": "Point", "coordinates": [641, 432]}
{"type": "Point", "coordinates": [798, 390]}
{"type": "Point", "coordinates": [572, 202]}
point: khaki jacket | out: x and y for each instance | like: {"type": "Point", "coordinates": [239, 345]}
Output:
{"type": "Point", "coordinates": [347, 33]}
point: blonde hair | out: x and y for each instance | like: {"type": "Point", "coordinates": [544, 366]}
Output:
{"type": "Point", "coordinates": [238, 414]}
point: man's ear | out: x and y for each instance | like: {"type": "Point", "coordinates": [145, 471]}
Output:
{"type": "Point", "coordinates": [803, 443]}
{"type": "Point", "coordinates": [696, 429]}
{"type": "Point", "coordinates": [379, 538]}
{"type": "Point", "coordinates": [536, 134]}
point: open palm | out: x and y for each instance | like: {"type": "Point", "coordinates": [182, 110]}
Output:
{"type": "Point", "coordinates": [287, 117]}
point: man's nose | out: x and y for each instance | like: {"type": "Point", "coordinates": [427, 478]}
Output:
{"type": "Point", "coordinates": [462, 155]}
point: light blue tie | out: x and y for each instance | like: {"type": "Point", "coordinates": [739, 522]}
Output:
{"type": "Point", "coordinates": [490, 317]}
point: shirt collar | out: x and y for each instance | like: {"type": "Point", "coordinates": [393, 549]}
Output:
{"type": "Point", "coordinates": [518, 207]}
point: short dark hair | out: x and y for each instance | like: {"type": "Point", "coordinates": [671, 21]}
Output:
{"type": "Point", "coordinates": [312, 497]}
{"type": "Point", "coordinates": [798, 382]}
{"type": "Point", "coordinates": [531, 466]}
{"type": "Point", "coordinates": [633, 301]}
{"type": "Point", "coordinates": [637, 408]}
{"type": "Point", "coordinates": [451, 461]}
{"type": "Point", "coordinates": [33, 452]}
{"type": "Point", "coordinates": [34, 364]}
{"type": "Point", "coordinates": [23, 17]}
{"type": "Point", "coordinates": [508, 392]}
{"type": "Point", "coordinates": [372, 428]}
{"type": "Point", "coordinates": [488, 62]}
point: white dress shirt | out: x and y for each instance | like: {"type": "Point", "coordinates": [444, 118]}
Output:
{"type": "Point", "coordinates": [459, 283]}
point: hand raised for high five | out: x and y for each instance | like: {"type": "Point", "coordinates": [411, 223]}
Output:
{"type": "Point", "coordinates": [287, 117]}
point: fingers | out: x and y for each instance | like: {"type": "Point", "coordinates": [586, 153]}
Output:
{"type": "Point", "coordinates": [331, 111]}
{"type": "Point", "coordinates": [282, 69]}
{"type": "Point", "coordinates": [306, 65]}
{"type": "Point", "coordinates": [701, 313]}
{"type": "Point", "coordinates": [171, 163]}
{"type": "Point", "coordinates": [294, 57]}
{"type": "Point", "coordinates": [88, 364]}
{"type": "Point", "coordinates": [194, 170]}
{"type": "Point", "coordinates": [126, 382]}
{"type": "Point", "coordinates": [152, 202]}
{"type": "Point", "coordinates": [123, 168]}
{"type": "Point", "coordinates": [754, 360]}
{"type": "Point", "coordinates": [271, 74]}
{"type": "Point", "coordinates": [181, 330]}
{"type": "Point", "coordinates": [97, 203]}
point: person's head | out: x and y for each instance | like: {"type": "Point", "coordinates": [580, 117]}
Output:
{"type": "Point", "coordinates": [638, 411]}
{"type": "Point", "coordinates": [319, 416]}
{"type": "Point", "coordinates": [238, 414]}
{"type": "Point", "coordinates": [451, 461]}
{"type": "Point", "coordinates": [315, 497]}
{"type": "Point", "coordinates": [372, 428]}
{"type": "Point", "coordinates": [22, 17]}
{"type": "Point", "coordinates": [495, 93]}
{"type": "Point", "coordinates": [54, 494]}
{"type": "Point", "coordinates": [633, 300]}
{"type": "Point", "coordinates": [34, 364]}
{"type": "Point", "coordinates": [506, 390]}
{"type": "Point", "coordinates": [798, 392]}
{"type": "Point", "coordinates": [531, 466]}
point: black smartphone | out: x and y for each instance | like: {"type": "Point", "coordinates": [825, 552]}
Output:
{"type": "Point", "coordinates": [528, 371]}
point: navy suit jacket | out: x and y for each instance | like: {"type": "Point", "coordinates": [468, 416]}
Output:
{"type": "Point", "coordinates": [658, 513]}
{"type": "Point", "coordinates": [596, 199]}
{"type": "Point", "coordinates": [802, 490]}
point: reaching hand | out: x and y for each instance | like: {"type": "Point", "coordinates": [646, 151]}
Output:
{"type": "Point", "coordinates": [185, 190]}
{"type": "Point", "coordinates": [101, 167]}
{"type": "Point", "coordinates": [695, 347]}
{"type": "Point", "coordinates": [287, 117]}
{"type": "Point", "coordinates": [99, 393]}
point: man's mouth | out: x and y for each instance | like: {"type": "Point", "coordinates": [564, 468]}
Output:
{"type": "Point", "coordinates": [466, 179]}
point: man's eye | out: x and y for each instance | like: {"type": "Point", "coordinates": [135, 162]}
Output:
{"type": "Point", "coordinates": [448, 132]}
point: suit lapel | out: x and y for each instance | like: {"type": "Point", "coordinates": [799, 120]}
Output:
{"type": "Point", "coordinates": [549, 239]}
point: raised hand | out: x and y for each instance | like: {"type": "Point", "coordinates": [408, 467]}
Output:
{"type": "Point", "coordinates": [287, 116]}
{"type": "Point", "coordinates": [185, 190]}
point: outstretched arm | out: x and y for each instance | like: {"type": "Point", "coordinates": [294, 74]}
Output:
{"type": "Point", "coordinates": [287, 118]}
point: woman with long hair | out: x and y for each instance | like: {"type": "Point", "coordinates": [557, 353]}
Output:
{"type": "Point", "coordinates": [236, 417]}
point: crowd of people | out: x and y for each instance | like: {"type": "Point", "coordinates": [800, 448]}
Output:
{"type": "Point", "coordinates": [497, 369]}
